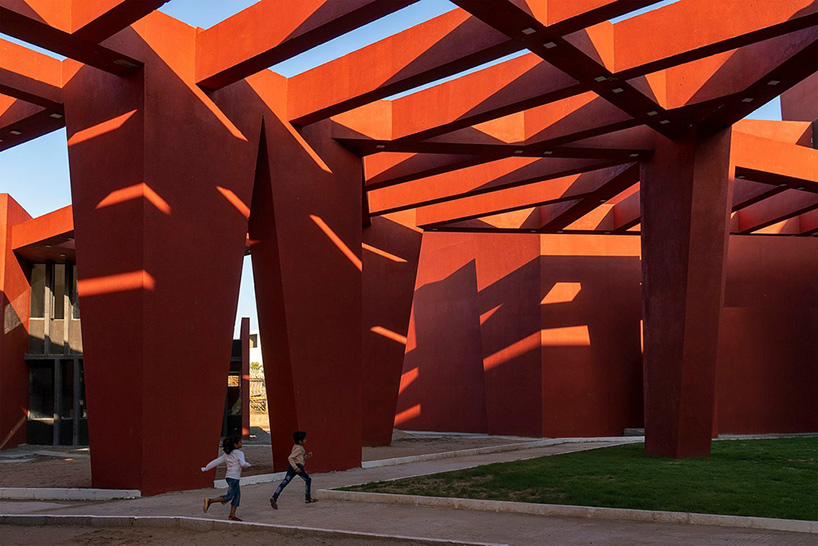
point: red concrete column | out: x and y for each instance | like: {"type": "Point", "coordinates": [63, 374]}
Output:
{"type": "Point", "coordinates": [15, 301]}
{"type": "Point", "coordinates": [305, 232]}
{"type": "Point", "coordinates": [686, 196]}
{"type": "Point", "coordinates": [244, 339]}
{"type": "Point", "coordinates": [160, 185]}
{"type": "Point", "coordinates": [390, 260]}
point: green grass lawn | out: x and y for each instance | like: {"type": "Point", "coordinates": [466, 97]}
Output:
{"type": "Point", "coordinates": [770, 478]}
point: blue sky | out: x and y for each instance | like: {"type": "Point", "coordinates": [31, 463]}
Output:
{"type": "Point", "coordinates": [36, 173]}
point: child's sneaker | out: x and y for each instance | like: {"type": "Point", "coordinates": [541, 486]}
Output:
{"type": "Point", "coordinates": [273, 503]}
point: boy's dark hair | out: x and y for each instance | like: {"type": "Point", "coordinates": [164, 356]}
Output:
{"type": "Point", "coordinates": [229, 443]}
{"type": "Point", "coordinates": [299, 435]}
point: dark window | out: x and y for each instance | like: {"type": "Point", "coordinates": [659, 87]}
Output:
{"type": "Point", "coordinates": [38, 291]}
{"type": "Point", "coordinates": [59, 292]}
{"type": "Point", "coordinates": [67, 410]}
{"type": "Point", "coordinates": [41, 392]}
{"type": "Point", "coordinates": [75, 299]}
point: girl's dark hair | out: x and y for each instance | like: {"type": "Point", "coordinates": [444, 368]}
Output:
{"type": "Point", "coordinates": [299, 435]}
{"type": "Point", "coordinates": [229, 443]}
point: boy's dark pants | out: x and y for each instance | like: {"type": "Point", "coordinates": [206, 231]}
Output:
{"type": "Point", "coordinates": [291, 473]}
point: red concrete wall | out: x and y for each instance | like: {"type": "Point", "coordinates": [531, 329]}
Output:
{"type": "Point", "coordinates": [390, 260]}
{"type": "Point", "coordinates": [589, 364]}
{"type": "Point", "coordinates": [768, 356]}
{"type": "Point", "coordinates": [590, 313]}
{"type": "Point", "coordinates": [508, 299]}
{"type": "Point", "coordinates": [15, 302]}
{"type": "Point", "coordinates": [801, 102]}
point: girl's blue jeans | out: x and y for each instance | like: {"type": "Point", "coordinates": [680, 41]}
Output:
{"type": "Point", "coordinates": [233, 492]}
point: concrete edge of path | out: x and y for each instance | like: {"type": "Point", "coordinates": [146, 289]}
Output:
{"type": "Point", "coordinates": [202, 524]}
{"type": "Point", "coordinates": [519, 446]}
{"type": "Point", "coordinates": [66, 493]}
{"type": "Point", "coordinates": [559, 510]}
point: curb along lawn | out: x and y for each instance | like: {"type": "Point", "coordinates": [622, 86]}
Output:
{"type": "Point", "coordinates": [775, 478]}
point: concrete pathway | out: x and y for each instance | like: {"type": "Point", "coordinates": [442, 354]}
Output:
{"type": "Point", "coordinates": [428, 522]}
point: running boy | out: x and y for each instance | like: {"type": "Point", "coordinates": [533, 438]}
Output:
{"type": "Point", "coordinates": [234, 459]}
{"type": "Point", "coordinates": [296, 459]}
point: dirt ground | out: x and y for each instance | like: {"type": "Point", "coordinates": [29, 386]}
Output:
{"type": "Point", "coordinates": [46, 466]}
{"type": "Point", "coordinates": [11, 535]}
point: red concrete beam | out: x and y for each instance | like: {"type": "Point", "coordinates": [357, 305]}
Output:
{"type": "Point", "coordinates": [506, 88]}
{"type": "Point", "coordinates": [389, 169]}
{"type": "Point", "coordinates": [384, 170]}
{"type": "Point", "coordinates": [552, 124]}
{"type": "Point", "coordinates": [542, 131]}
{"type": "Point", "coordinates": [591, 55]}
{"type": "Point", "coordinates": [619, 180]}
{"type": "Point", "coordinates": [790, 132]}
{"type": "Point", "coordinates": [57, 224]}
{"type": "Point", "coordinates": [49, 27]}
{"type": "Point", "coordinates": [627, 213]}
{"type": "Point", "coordinates": [808, 222]}
{"type": "Point", "coordinates": [747, 192]}
{"type": "Point", "coordinates": [21, 121]}
{"type": "Point", "coordinates": [776, 163]}
{"type": "Point", "coordinates": [734, 84]}
{"type": "Point", "coordinates": [804, 224]}
{"type": "Point", "coordinates": [593, 186]}
{"type": "Point", "coordinates": [773, 210]}
{"type": "Point", "coordinates": [654, 40]}
{"type": "Point", "coordinates": [582, 55]}
{"type": "Point", "coordinates": [512, 86]}
{"type": "Point", "coordinates": [488, 177]}
{"type": "Point", "coordinates": [443, 46]}
{"type": "Point", "coordinates": [267, 33]}
{"type": "Point", "coordinates": [30, 76]}
{"type": "Point", "coordinates": [96, 20]}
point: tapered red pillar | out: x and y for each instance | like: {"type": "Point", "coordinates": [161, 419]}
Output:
{"type": "Point", "coordinates": [160, 186]}
{"type": "Point", "coordinates": [305, 237]}
{"type": "Point", "coordinates": [686, 196]}
{"type": "Point", "coordinates": [15, 297]}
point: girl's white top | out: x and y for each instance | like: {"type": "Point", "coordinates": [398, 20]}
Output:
{"type": "Point", "coordinates": [234, 460]}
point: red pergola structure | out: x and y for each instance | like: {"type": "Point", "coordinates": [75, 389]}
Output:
{"type": "Point", "coordinates": [181, 144]}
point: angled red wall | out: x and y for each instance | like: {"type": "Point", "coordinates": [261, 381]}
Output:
{"type": "Point", "coordinates": [15, 301]}
{"type": "Point", "coordinates": [442, 383]}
